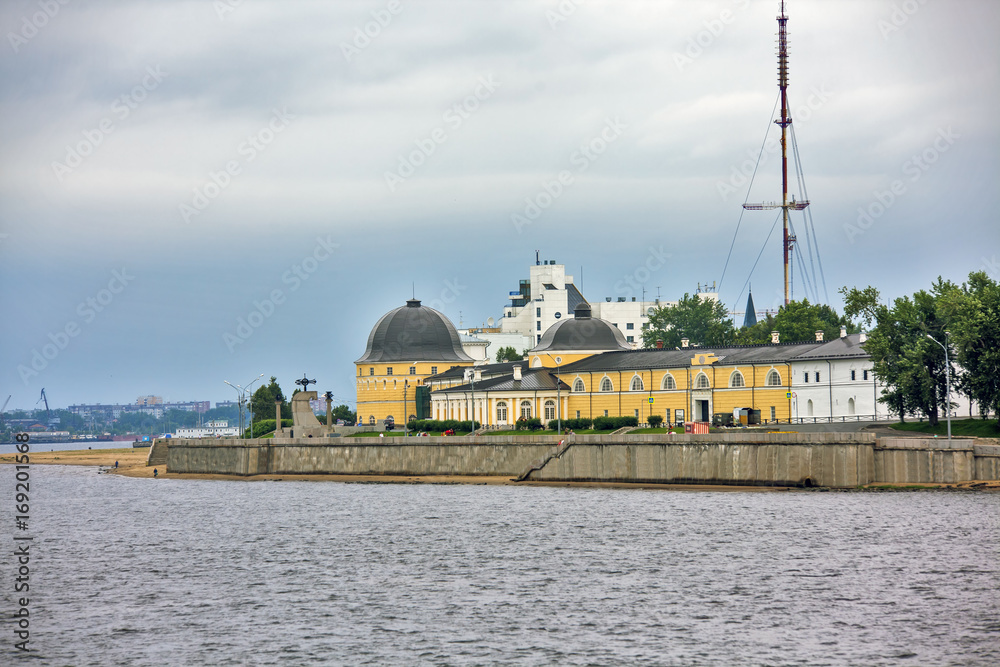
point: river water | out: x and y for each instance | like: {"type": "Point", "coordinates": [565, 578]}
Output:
{"type": "Point", "coordinates": [181, 572]}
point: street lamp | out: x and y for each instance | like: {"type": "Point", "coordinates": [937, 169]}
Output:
{"type": "Point", "coordinates": [558, 361]}
{"type": "Point", "coordinates": [241, 393]}
{"type": "Point", "coordinates": [947, 382]}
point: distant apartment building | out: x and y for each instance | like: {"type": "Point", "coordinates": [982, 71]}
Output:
{"type": "Point", "coordinates": [149, 400]}
{"type": "Point", "coordinates": [155, 409]}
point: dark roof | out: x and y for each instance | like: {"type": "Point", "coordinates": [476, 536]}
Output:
{"type": "Point", "coordinates": [750, 317]}
{"type": "Point", "coordinates": [849, 346]}
{"type": "Point", "coordinates": [742, 354]}
{"type": "Point", "coordinates": [413, 333]}
{"type": "Point", "coordinates": [531, 379]}
{"type": "Point", "coordinates": [458, 372]}
{"type": "Point", "coordinates": [581, 332]}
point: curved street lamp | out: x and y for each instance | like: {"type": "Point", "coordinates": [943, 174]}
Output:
{"type": "Point", "coordinates": [241, 393]}
{"type": "Point", "coordinates": [947, 382]}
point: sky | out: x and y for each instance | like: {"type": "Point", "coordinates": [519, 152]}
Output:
{"type": "Point", "coordinates": [193, 192]}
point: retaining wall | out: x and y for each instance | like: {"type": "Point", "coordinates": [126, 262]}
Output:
{"type": "Point", "coordinates": [820, 459]}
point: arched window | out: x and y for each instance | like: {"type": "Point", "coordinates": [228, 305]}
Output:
{"type": "Point", "coordinates": [371, 420]}
{"type": "Point", "coordinates": [701, 382]}
{"type": "Point", "coordinates": [736, 379]}
{"type": "Point", "coordinates": [526, 409]}
{"type": "Point", "coordinates": [550, 410]}
{"type": "Point", "coordinates": [578, 385]}
{"type": "Point", "coordinates": [636, 384]}
{"type": "Point", "coordinates": [668, 382]}
{"type": "Point", "coordinates": [606, 384]}
{"type": "Point", "coordinates": [850, 406]}
{"type": "Point", "coordinates": [502, 412]}
{"type": "Point", "coordinates": [773, 378]}
{"type": "Point", "coordinates": [536, 362]}
{"type": "Point", "coordinates": [809, 408]}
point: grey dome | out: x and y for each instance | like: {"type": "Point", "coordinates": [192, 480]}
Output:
{"type": "Point", "coordinates": [582, 333]}
{"type": "Point", "coordinates": [413, 333]}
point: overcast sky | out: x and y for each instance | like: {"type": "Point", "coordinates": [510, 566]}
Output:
{"type": "Point", "coordinates": [169, 168]}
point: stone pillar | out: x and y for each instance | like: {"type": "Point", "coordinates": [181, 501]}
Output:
{"type": "Point", "coordinates": [329, 411]}
{"type": "Point", "coordinates": [277, 419]}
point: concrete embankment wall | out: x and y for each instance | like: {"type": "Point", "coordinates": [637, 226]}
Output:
{"type": "Point", "coordinates": [500, 455]}
{"type": "Point", "coordinates": [821, 459]}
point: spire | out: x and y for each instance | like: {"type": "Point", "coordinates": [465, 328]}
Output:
{"type": "Point", "coordinates": [750, 318]}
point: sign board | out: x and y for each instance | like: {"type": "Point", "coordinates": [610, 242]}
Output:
{"type": "Point", "coordinates": [650, 399]}
{"type": "Point", "coordinates": [788, 394]}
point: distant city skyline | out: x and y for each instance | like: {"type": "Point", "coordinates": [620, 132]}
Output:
{"type": "Point", "coordinates": [194, 192]}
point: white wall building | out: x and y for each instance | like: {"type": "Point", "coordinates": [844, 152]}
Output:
{"type": "Point", "coordinates": [213, 429]}
{"type": "Point", "coordinates": [549, 295]}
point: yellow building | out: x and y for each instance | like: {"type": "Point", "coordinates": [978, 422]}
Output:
{"type": "Point", "coordinates": [583, 367]}
{"type": "Point", "coordinates": [406, 346]}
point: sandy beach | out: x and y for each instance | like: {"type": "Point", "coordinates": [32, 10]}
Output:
{"type": "Point", "coordinates": [132, 463]}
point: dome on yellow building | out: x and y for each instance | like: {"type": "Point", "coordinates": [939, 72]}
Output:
{"type": "Point", "coordinates": [582, 333]}
{"type": "Point", "coordinates": [413, 333]}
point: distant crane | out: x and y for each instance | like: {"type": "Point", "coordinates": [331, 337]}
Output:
{"type": "Point", "coordinates": [44, 398]}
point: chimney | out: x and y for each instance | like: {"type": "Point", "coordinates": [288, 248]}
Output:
{"type": "Point", "coordinates": [684, 342]}
{"type": "Point", "coordinates": [843, 331]}
{"type": "Point", "coordinates": [819, 336]}
{"type": "Point", "coordinates": [517, 373]}
{"type": "Point", "coordinates": [774, 337]}
{"type": "Point", "coordinates": [477, 375]}
{"type": "Point", "coordinates": [862, 337]}
{"type": "Point", "coordinates": [659, 343]}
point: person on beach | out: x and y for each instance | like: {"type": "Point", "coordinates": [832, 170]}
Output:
{"type": "Point", "coordinates": [116, 465]}
{"type": "Point", "coordinates": [155, 472]}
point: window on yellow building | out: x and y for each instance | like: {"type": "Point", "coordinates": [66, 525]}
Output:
{"type": "Point", "coordinates": [371, 371]}
{"type": "Point", "coordinates": [606, 385]}
{"type": "Point", "coordinates": [773, 378]}
{"type": "Point", "coordinates": [502, 412]}
{"type": "Point", "coordinates": [773, 414]}
{"type": "Point", "coordinates": [526, 409]}
{"type": "Point", "coordinates": [636, 384]}
{"type": "Point", "coordinates": [736, 379]}
{"type": "Point", "coordinates": [388, 370]}
{"type": "Point", "coordinates": [434, 370]}
{"type": "Point", "coordinates": [578, 385]}
{"type": "Point", "coordinates": [668, 382]}
{"type": "Point", "coordinates": [701, 382]}
{"type": "Point", "coordinates": [413, 370]}
{"type": "Point", "coordinates": [550, 410]}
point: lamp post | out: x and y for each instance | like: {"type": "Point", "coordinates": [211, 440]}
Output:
{"type": "Point", "coordinates": [558, 361]}
{"type": "Point", "coordinates": [241, 393]}
{"type": "Point", "coordinates": [947, 382]}
{"type": "Point", "coordinates": [406, 419]}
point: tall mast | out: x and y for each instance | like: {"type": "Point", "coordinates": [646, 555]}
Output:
{"type": "Point", "coordinates": [787, 241]}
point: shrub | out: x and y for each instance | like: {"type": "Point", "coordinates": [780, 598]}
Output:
{"type": "Point", "coordinates": [265, 426]}
{"type": "Point", "coordinates": [654, 420]}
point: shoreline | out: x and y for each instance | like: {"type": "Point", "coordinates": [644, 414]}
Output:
{"type": "Point", "coordinates": [132, 463]}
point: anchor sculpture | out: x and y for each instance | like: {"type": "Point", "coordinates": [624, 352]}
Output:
{"type": "Point", "coordinates": [305, 382]}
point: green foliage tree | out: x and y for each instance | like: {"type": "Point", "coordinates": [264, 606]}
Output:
{"type": "Point", "coordinates": [344, 412]}
{"type": "Point", "coordinates": [263, 399]}
{"type": "Point", "coordinates": [909, 365]}
{"type": "Point", "coordinates": [508, 354]}
{"type": "Point", "coordinates": [797, 322]}
{"type": "Point", "coordinates": [701, 321]}
{"type": "Point", "coordinates": [973, 313]}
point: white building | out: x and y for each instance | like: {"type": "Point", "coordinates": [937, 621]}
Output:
{"type": "Point", "coordinates": [549, 295]}
{"type": "Point", "coordinates": [213, 429]}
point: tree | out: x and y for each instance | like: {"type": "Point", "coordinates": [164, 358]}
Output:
{"type": "Point", "coordinates": [344, 412]}
{"type": "Point", "coordinates": [263, 399]}
{"type": "Point", "coordinates": [797, 322]}
{"type": "Point", "coordinates": [508, 354]}
{"type": "Point", "coordinates": [973, 313]}
{"type": "Point", "coordinates": [909, 365]}
{"type": "Point", "coordinates": [701, 321]}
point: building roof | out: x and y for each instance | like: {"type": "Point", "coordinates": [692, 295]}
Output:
{"type": "Point", "coordinates": [750, 317]}
{"type": "Point", "coordinates": [841, 348]}
{"type": "Point", "coordinates": [486, 370]}
{"type": "Point", "coordinates": [581, 333]}
{"type": "Point", "coordinates": [413, 333]}
{"type": "Point", "coordinates": [540, 379]}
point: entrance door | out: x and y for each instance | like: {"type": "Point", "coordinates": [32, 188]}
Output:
{"type": "Point", "coordinates": [701, 409]}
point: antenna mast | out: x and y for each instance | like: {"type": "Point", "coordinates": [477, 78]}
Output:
{"type": "Point", "coordinates": [787, 241]}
